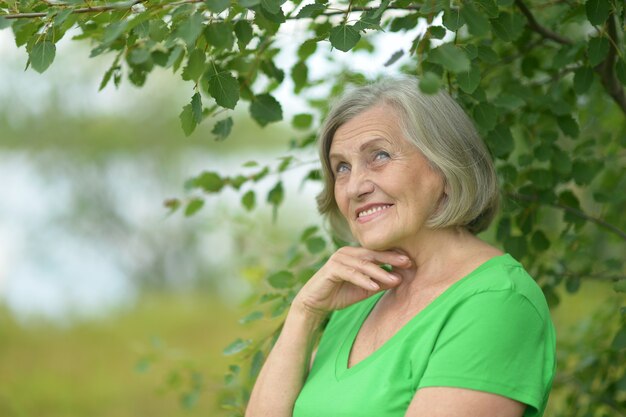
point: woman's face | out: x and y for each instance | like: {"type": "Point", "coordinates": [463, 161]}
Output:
{"type": "Point", "coordinates": [384, 186]}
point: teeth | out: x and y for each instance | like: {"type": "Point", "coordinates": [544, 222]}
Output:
{"type": "Point", "coordinates": [373, 210]}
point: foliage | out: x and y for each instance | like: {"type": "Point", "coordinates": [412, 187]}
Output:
{"type": "Point", "coordinates": [543, 81]}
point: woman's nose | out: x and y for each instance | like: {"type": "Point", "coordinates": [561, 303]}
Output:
{"type": "Point", "coordinates": [360, 184]}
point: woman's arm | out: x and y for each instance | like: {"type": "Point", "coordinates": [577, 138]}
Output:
{"type": "Point", "coordinates": [460, 402]}
{"type": "Point", "coordinates": [349, 276]}
{"type": "Point", "coordinates": [286, 367]}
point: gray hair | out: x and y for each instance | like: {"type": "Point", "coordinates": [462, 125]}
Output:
{"type": "Point", "coordinates": [439, 128]}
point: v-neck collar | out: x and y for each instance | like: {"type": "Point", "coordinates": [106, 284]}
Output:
{"type": "Point", "coordinates": [343, 354]}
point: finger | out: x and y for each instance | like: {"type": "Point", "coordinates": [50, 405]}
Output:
{"type": "Point", "coordinates": [358, 278]}
{"type": "Point", "coordinates": [393, 258]}
{"type": "Point", "coordinates": [374, 271]}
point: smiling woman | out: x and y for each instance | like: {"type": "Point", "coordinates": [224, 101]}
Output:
{"type": "Point", "coordinates": [457, 328]}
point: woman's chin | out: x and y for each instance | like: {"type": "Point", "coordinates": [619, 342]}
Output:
{"type": "Point", "coordinates": [377, 244]}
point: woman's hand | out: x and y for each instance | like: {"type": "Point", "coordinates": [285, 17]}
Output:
{"type": "Point", "coordinates": [350, 275]}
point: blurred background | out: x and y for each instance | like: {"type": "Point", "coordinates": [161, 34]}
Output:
{"type": "Point", "coordinates": [109, 305]}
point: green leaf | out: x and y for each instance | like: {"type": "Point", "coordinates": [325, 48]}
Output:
{"type": "Point", "coordinates": [196, 107]}
{"type": "Point", "coordinates": [254, 316]}
{"type": "Point", "coordinates": [113, 31]}
{"type": "Point", "coordinates": [568, 125]}
{"type": "Point", "coordinates": [516, 246]}
{"type": "Point", "coordinates": [210, 182]}
{"type": "Point", "coordinates": [393, 58]}
{"type": "Point", "coordinates": [187, 120]}
{"type": "Point", "coordinates": [597, 49]}
{"type": "Point", "coordinates": [430, 83]}
{"type": "Point", "coordinates": [248, 3]}
{"type": "Point", "coordinates": [248, 200]}
{"type": "Point", "coordinates": [583, 77]}
{"type": "Point", "coordinates": [176, 55]}
{"type": "Point", "coordinates": [311, 10]}
{"type": "Point", "coordinates": [195, 66]}
{"type": "Point", "coordinates": [237, 346]}
{"type": "Point", "coordinates": [433, 6]}
{"type": "Point", "coordinates": [42, 55]}
{"type": "Point", "coordinates": [620, 70]}
{"type": "Point", "coordinates": [585, 171]}
{"type": "Point", "coordinates": [437, 32]}
{"type": "Point", "coordinates": [541, 178]}
{"type": "Point", "coordinates": [139, 56]}
{"type": "Point", "coordinates": [597, 11]}
{"type": "Point", "coordinates": [508, 101]}
{"type": "Point", "coordinates": [193, 207]}
{"type": "Point", "coordinates": [302, 121]}
{"type": "Point", "coordinates": [220, 35]}
{"type": "Point", "coordinates": [487, 6]}
{"type": "Point", "coordinates": [450, 57]}
{"type": "Point", "coordinates": [217, 6]}
{"type": "Point", "coordinates": [507, 26]}
{"type": "Point", "coordinates": [315, 244]}
{"type": "Point", "coordinates": [407, 22]}
{"type": "Point", "coordinates": [452, 19]}
{"type": "Point", "coordinates": [619, 342]}
{"type": "Point", "coordinates": [223, 128]}
{"type": "Point", "coordinates": [344, 37]}
{"type": "Point", "coordinates": [308, 232]}
{"type": "Point", "coordinates": [307, 49]}
{"type": "Point", "coordinates": [572, 283]}
{"type": "Point", "coordinates": [276, 195]}
{"type": "Point", "coordinates": [190, 29]}
{"type": "Point", "coordinates": [486, 116]}
{"type": "Point", "coordinates": [487, 55]}
{"type": "Point", "coordinates": [265, 109]}
{"type": "Point", "coordinates": [281, 279]}
{"type": "Point", "coordinates": [469, 80]}
{"type": "Point", "coordinates": [244, 33]}
{"type": "Point", "coordinates": [539, 241]}
{"type": "Point", "coordinates": [561, 161]}
{"type": "Point", "coordinates": [272, 6]}
{"type": "Point", "coordinates": [256, 365]}
{"type": "Point", "coordinates": [299, 75]}
{"type": "Point", "coordinates": [501, 141]}
{"type": "Point", "coordinates": [620, 286]}
{"type": "Point", "coordinates": [223, 87]}
{"type": "Point", "coordinates": [477, 22]}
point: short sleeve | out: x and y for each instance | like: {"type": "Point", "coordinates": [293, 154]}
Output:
{"type": "Point", "coordinates": [497, 342]}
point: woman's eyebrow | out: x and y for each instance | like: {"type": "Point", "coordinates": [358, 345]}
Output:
{"type": "Point", "coordinates": [370, 143]}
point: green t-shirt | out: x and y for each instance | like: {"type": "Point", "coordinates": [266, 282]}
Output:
{"type": "Point", "coordinates": [490, 331]}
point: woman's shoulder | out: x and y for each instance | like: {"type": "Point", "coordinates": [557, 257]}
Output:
{"type": "Point", "coordinates": [504, 273]}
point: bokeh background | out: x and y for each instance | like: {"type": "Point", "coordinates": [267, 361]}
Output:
{"type": "Point", "coordinates": [109, 304]}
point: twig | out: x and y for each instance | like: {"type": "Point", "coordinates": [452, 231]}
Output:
{"type": "Point", "coordinates": [534, 25]}
{"type": "Point", "coordinates": [606, 69]}
{"type": "Point", "coordinates": [574, 211]}
{"type": "Point", "coordinates": [94, 9]}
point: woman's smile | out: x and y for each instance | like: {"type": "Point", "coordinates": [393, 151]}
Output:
{"type": "Point", "coordinates": [371, 211]}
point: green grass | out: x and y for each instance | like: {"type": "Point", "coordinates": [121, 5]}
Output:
{"type": "Point", "coordinates": [120, 366]}
{"type": "Point", "coordinates": [90, 369]}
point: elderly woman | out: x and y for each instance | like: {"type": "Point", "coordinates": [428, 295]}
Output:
{"type": "Point", "coordinates": [457, 328]}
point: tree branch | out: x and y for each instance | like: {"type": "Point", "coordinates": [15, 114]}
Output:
{"type": "Point", "coordinates": [534, 25]}
{"type": "Point", "coordinates": [579, 213]}
{"type": "Point", "coordinates": [606, 69]}
{"type": "Point", "coordinates": [95, 9]}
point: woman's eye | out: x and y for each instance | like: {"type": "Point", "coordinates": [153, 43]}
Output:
{"type": "Point", "coordinates": [341, 167]}
{"type": "Point", "coordinates": [381, 155]}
